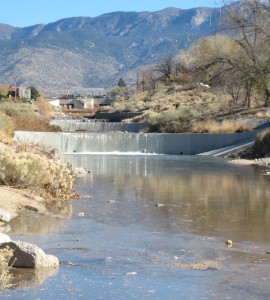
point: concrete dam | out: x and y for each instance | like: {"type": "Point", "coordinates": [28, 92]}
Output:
{"type": "Point", "coordinates": [135, 143]}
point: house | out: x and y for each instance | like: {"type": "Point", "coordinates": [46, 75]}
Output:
{"type": "Point", "coordinates": [20, 92]}
{"type": "Point", "coordinates": [73, 103]}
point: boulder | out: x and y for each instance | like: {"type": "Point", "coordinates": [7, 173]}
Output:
{"type": "Point", "coordinates": [4, 238]}
{"type": "Point", "coordinates": [27, 255]}
{"type": "Point", "coordinates": [4, 216]}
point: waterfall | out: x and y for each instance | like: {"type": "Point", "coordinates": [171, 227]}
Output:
{"type": "Point", "coordinates": [133, 143]}
{"type": "Point", "coordinates": [94, 126]}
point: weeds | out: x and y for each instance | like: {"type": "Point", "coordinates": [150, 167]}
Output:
{"type": "Point", "coordinates": [220, 127]}
{"type": "Point", "coordinates": [5, 277]}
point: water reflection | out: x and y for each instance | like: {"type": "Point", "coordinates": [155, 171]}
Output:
{"type": "Point", "coordinates": [205, 196]}
{"type": "Point", "coordinates": [24, 279]}
{"type": "Point", "coordinates": [33, 223]}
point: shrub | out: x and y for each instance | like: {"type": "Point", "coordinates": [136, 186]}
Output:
{"type": "Point", "coordinates": [172, 120]}
{"type": "Point", "coordinates": [219, 127]}
{"type": "Point", "coordinates": [44, 106]}
{"type": "Point", "coordinates": [14, 109]}
{"type": "Point", "coordinates": [30, 122]}
{"type": "Point", "coordinates": [52, 179]}
{"type": "Point", "coordinates": [6, 125]}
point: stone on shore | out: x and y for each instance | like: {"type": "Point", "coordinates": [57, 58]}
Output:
{"type": "Point", "coordinates": [4, 238]}
{"type": "Point", "coordinates": [4, 216]}
{"type": "Point", "coordinates": [27, 255]}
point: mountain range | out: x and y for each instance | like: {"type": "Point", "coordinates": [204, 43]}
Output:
{"type": "Point", "coordinates": [83, 53]}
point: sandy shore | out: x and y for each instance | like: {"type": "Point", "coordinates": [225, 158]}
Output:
{"type": "Point", "coordinates": [259, 162]}
{"type": "Point", "coordinates": [16, 201]}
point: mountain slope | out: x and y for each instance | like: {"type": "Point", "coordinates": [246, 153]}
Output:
{"type": "Point", "coordinates": [82, 52]}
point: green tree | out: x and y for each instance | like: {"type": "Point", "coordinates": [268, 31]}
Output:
{"type": "Point", "coordinates": [121, 83]}
{"type": "Point", "coordinates": [34, 93]}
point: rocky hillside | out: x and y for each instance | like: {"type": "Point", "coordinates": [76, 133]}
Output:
{"type": "Point", "coordinates": [80, 53]}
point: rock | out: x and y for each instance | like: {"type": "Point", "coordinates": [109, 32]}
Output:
{"type": "Point", "coordinates": [111, 201]}
{"type": "Point", "coordinates": [4, 216]}
{"type": "Point", "coordinates": [4, 238]}
{"type": "Point", "coordinates": [27, 255]}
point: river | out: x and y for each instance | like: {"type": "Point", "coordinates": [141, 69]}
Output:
{"type": "Point", "coordinates": [155, 227]}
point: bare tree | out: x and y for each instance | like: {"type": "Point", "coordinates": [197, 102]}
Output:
{"type": "Point", "coordinates": [250, 22]}
{"type": "Point", "coordinates": [168, 69]}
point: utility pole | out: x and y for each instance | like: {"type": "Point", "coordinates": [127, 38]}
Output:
{"type": "Point", "coordinates": [16, 88]}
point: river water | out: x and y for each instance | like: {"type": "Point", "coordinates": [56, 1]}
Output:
{"type": "Point", "coordinates": [154, 227]}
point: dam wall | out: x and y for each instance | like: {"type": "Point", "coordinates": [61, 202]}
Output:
{"type": "Point", "coordinates": [159, 143]}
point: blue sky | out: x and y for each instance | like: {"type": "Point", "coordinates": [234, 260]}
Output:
{"type": "Point", "coordinates": [23, 13]}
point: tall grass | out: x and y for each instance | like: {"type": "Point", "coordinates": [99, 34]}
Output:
{"type": "Point", "coordinates": [5, 276]}
{"type": "Point", "coordinates": [22, 116]}
{"type": "Point", "coordinates": [6, 125]}
{"type": "Point", "coordinates": [220, 127]}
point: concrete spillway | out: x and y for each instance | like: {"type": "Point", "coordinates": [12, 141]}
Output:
{"type": "Point", "coordinates": [92, 126]}
{"type": "Point", "coordinates": [159, 143]}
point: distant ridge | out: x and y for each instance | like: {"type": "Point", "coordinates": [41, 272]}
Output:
{"type": "Point", "coordinates": [80, 53]}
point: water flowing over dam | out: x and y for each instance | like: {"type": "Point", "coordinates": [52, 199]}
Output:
{"type": "Point", "coordinates": [97, 126]}
{"type": "Point", "coordinates": [135, 143]}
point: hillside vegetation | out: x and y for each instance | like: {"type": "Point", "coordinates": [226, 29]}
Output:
{"type": "Point", "coordinates": [188, 108]}
{"type": "Point", "coordinates": [31, 166]}
{"type": "Point", "coordinates": [210, 85]}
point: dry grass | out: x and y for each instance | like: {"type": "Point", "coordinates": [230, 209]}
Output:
{"type": "Point", "coordinates": [161, 107]}
{"type": "Point", "coordinates": [31, 122]}
{"type": "Point", "coordinates": [5, 139]}
{"type": "Point", "coordinates": [263, 134]}
{"type": "Point", "coordinates": [6, 125]}
{"type": "Point", "coordinates": [5, 277]}
{"type": "Point", "coordinates": [21, 116]}
{"type": "Point", "coordinates": [264, 115]}
{"type": "Point", "coordinates": [220, 127]}
{"type": "Point", "coordinates": [203, 265]}
{"type": "Point", "coordinates": [51, 179]}
{"type": "Point", "coordinates": [35, 148]}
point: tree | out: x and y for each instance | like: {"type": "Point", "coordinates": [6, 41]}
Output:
{"type": "Point", "coordinates": [3, 92]}
{"type": "Point", "coordinates": [34, 93]}
{"type": "Point", "coordinates": [250, 21]}
{"type": "Point", "coordinates": [150, 78]}
{"type": "Point", "coordinates": [121, 83]}
{"type": "Point", "coordinates": [168, 68]}
{"type": "Point", "coordinates": [241, 60]}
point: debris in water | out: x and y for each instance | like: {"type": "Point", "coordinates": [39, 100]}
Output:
{"type": "Point", "coordinates": [229, 243]}
{"type": "Point", "coordinates": [159, 204]}
{"type": "Point", "coordinates": [132, 273]}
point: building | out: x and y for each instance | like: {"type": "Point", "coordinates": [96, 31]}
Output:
{"type": "Point", "coordinates": [73, 103]}
{"type": "Point", "coordinates": [20, 92]}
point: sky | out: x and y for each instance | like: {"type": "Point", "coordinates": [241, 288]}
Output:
{"type": "Point", "coordinates": [22, 13]}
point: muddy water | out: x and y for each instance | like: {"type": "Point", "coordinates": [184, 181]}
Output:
{"type": "Point", "coordinates": [147, 222]}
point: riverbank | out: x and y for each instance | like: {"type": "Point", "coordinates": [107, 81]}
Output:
{"type": "Point", "coordinates": [263, 162]}
{"type": "Point", "coordinates": [15, 201]}
{"type": "Point", "coordinates": [31, 180]}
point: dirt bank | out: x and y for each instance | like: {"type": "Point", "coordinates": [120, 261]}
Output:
{"type": "Point", "coordinates": [16, 201]}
